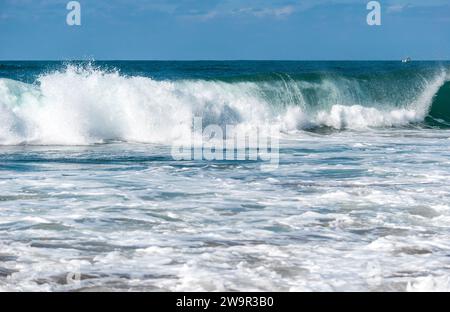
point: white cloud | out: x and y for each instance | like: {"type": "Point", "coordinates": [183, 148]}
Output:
{"type": "Point", "coordinates": [396, 8]}
{"type": "Point", "coordinates": [254, 11]}
{"type": "Point", "coordinates": [203, 16]}
{"type": "Point", "coordinates": [276, 12]}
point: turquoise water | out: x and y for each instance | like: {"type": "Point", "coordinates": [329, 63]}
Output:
{"type": "Point", "coordinates": [89, 187]}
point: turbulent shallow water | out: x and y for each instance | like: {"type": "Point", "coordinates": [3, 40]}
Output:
{"type": "Point", "coordinates": [91, 198]}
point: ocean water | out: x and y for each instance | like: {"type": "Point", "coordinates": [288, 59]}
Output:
{"type": "Point", "coordinates": [92, 199]}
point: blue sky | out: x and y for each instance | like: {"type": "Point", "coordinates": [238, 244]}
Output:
{"type": "Point", "coordinates": [227, 29]}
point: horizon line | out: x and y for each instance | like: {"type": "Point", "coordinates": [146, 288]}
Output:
{"type": "Point", "coordinates": [220, 60]}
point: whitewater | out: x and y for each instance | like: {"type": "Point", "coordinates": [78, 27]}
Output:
{"type": "Point", "coordinates": [89, 188]}
{"type": "Point", "coordinates": [86, 105]}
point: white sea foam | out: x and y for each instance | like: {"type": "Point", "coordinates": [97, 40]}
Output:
{"type": "Point", "coordinates": [430, 284]}
{"type": "Point", "coordinates": [334, 216]}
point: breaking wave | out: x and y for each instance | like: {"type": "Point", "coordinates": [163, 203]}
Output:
{"type": "Point", "coordinates": [86, 105]}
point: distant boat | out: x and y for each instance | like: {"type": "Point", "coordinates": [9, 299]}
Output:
{"type": "Point", "coordinates": [406, 60]}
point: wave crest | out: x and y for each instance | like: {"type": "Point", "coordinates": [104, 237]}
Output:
{"type": "Point", "coordinates": [78, 106]}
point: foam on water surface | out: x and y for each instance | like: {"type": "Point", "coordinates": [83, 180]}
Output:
{"type": "Point", "coordinates": [346, 217]}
